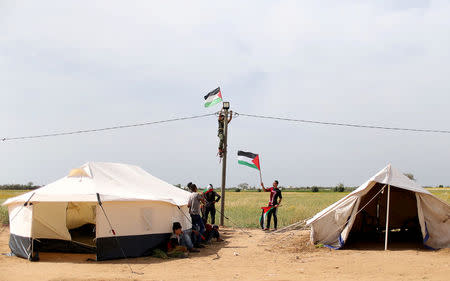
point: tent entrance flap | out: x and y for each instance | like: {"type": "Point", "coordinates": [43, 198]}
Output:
{"type": "Point", "coordinates": [370, 223]}
{"type": "Point", "coordinates": [81, 222]}
{"type": "Point", "coordinates": [64, 227]}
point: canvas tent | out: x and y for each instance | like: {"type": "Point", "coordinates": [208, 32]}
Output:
{"type": "Point", "coordinates": [388, 200]}
{"type": "Point", "coordinates": [66, 215]}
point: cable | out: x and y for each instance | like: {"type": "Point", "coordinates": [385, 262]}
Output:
{"type": "Point", "coordinates": [240, 228]}
{"type": "Point", "coordinates": [346, 124]}
{"type": "Point", "coordinates": [189, 220]}
{"type": "Point", "coordinates": [24, 204]}
{"type": "Point", "coordinates": [105, 129]}
{"type": "Point", "coordinates": [117, 239]}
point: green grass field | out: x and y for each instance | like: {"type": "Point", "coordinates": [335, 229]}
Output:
{"type": "Point", "coordinates": [5, 194]}
{"type": "Point", "coordinates": [243, 208]}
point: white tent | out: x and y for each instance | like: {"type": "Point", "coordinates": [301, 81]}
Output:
{"type": "Point", "coordinates": [388, 200]}
{"type": "Point", "coordinates": [67, 214]}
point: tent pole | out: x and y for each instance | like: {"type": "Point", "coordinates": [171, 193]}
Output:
{"type": "Point", "coordinates": [387, 217]}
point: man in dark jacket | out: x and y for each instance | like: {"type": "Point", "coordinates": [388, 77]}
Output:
{"type": "Point", "coordinates": [274, 201]}
{"type": "Point", "coordinates": [211, 198]}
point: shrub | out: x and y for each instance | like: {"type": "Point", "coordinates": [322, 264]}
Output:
{"type": "Point", "coordinates": [238, 190]}
{"type": "Point", "coordinates": [314, 189]}
{"type": "Point", "coordinates": [339, 188]}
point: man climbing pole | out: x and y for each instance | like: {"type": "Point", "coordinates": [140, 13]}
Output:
{"type": "Point", "coordinates": [220, 132]}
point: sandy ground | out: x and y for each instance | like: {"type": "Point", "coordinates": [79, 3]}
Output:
{"type": "Point", "coordinates": [286, 256]}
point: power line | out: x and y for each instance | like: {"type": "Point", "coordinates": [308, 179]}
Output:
{"type": "Point", "coordinates": [106, 128]}
{"type": "Point", "coordinates": [211, 114]}
{"type": "Point", "coordinates": [346, 124]}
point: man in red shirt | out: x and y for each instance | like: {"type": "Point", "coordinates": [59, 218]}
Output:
{"type": "Point", "coordinates": [275, 201]}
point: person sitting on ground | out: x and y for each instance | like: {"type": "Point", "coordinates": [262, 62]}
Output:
{"type": "Point", "coordinates": [179, 243]}
{"type": "Point", "coordinates": [212, 231]}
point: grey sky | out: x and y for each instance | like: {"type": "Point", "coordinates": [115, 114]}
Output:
{"type": "Point", "coordinates": [68, 65]}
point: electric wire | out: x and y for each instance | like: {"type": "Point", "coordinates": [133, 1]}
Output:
{"type": "Point", "coordinates": [345, 124]}
{"type": "Point", "coordinates": [57, 134]}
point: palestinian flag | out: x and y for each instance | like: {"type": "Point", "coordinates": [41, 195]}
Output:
{"type": "Point", "coordinates": [208, 189]}
{"type": "Point", "coordinates": [248, 159]}
{"type": "Point", "coordinates": [213, 97]}
{"type": "Point", "coordinates": [264, 214]}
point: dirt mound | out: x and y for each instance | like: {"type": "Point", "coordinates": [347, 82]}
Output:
{"type": "Point", "coordinates": [294, 241]}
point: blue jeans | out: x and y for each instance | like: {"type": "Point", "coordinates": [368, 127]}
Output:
{"type": "Point", "coordinates": [197, 223]}
{"type": "Point", "coordinates": [186, 240]}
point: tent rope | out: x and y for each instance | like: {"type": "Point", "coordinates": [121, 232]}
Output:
{"type": "Point", "coordinates": [300, 224]}
{"type": "Point", "coordinates": [24, 204]}
{"type": "Point", "coordinates": [117, 240]}
{"type": "Point", "coordinates": [240, 228]}
{"type": "Point", "coordinates": [189, 220]}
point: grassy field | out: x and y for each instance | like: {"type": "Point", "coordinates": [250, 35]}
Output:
{"type": "Point", "coordinates": [5, 194]}
{"type": "Point", "coordinates": [243, 208]}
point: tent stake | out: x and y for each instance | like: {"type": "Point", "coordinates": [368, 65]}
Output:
{"type": "Point", "coordinates": [387, 217]}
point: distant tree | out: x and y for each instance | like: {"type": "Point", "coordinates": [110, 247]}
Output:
{"type": "Point", "coordinates": [237, 189]}
{"type": "Point", "coordinates": [30, 183]}
{"type": "Point", "coordinates": [314, 189]}
{"type": "Point", "coordinates": [243, 185]}
{"type": "Point", "coordinates": [441, 185]}
{"type": "Point", "coordinates": [178, 185]}
{"type": "Point", "coordinates": [410, 176]}
{"type": "Point", "coordinates": [339, 188]}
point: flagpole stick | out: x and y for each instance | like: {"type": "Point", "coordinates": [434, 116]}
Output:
{"type": "Point", "coordinates": [260, 174]}
{"type": "Point", "coordinates": [387, 210]}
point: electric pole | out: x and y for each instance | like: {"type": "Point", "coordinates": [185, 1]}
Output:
{"type": "Point", "coordinates": [226, 107]}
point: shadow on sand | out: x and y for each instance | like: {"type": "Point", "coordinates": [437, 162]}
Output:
{"type": "Point", "coordinates": [210, 250]}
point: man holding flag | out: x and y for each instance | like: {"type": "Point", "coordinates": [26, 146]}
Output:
{"type": "Point", "coordinates": [274, 202]}
{"type": "Point", "coordinates": [251, 160]}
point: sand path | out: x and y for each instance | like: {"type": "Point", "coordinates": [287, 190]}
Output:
{"type": "Point", "coordinates": [241, 257]}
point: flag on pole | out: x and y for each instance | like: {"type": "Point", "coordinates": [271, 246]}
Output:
{"type": "Point", "coordinates": [249, 159]}
{"type": "Point", "coordinates": [213, 97]}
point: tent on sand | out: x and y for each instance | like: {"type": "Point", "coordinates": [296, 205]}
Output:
{"type": "Point", "coordinates": [388, 200]}
{"type": "Point", "coordinates": [110, 209]}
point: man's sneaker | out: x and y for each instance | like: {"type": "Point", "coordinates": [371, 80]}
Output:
{"type": "Point", "coordinates": [193, 250]}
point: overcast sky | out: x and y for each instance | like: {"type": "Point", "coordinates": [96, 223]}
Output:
{"type": "Point", "coordinates": [68, 65]}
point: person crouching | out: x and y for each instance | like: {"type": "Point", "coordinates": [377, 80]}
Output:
{"type": "Point", "coordinates": [180, 243]}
